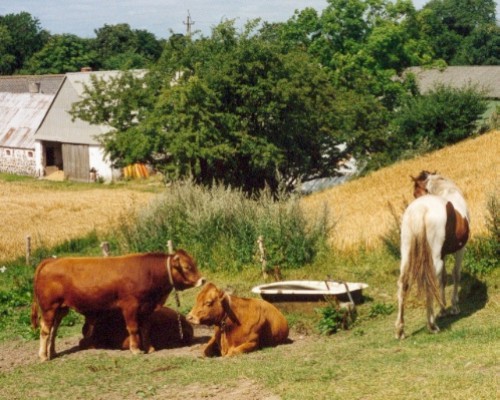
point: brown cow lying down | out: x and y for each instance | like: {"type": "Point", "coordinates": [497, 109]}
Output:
{"type": "Point", "coordinates": [110, 331]}
{"type": "Point", "coordinates": [241, 325]}
{"type": "Point", "coordinates": [134, 284]}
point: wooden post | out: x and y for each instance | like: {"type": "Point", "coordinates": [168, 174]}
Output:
{"type": "Point", "coordinates": [262, 251]}
{"type": "Point", "coordinates": [170, 247]}
{"type": "Point", "coordinates": [105, 249]}
{"type": "Point", "coordinates": [28, 249]}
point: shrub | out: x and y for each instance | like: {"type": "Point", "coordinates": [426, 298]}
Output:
{"type": "Point", "coordinates": [220, 226]}
{"type": "Point", "coordinates": [441, 117]}
{"type": "Point", "coordinates": [483, 254]}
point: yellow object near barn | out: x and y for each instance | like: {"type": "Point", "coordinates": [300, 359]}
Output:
{"type": "Point", "coordinates": [134, 171]}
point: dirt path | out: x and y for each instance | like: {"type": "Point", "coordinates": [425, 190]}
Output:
{"type": "Point", "coordinates": [14, 354]}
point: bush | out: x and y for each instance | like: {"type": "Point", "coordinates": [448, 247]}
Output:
{"type": "Point", "coordinates": [483, 254]}
{"type": "Point", "coordinates": [441, 117]}
{"type": "Point", "coordinates": [220, 227]}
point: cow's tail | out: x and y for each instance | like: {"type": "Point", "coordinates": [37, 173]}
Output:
{"type": "Point", "coordinates": [421, 269]}
{"type": "Point", "coordinates": [34, 303]}
{"type": "Point", "coordinates": [34, 313]}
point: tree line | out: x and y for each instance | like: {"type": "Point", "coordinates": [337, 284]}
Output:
{"type": "Point", "coordinates": [273, 102]}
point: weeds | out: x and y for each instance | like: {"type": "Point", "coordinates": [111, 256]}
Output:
{"type": "Point", "coordinates": [221, 225]}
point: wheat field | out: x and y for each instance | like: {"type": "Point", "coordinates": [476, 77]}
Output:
{"type": "Point", "coordinates": [51, 214]}
{"type": "Point", "coordinates": [360, 207]}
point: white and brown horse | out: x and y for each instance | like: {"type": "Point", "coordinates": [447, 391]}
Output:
{"type": "Point", "coordinates": [434, 225]}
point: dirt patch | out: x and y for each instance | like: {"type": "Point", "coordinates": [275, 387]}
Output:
{"type": "Point", "coordinates": [14, 354]}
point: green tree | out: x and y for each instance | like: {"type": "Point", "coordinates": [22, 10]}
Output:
{"type": "Point", "coordinates": [441, 117]}
{"type": "Point", "coordinates": [61, 54]}
{"type": "Point", "coordinates": [120, 47]}
{"type": "Point", "coordinates": [26, 38]}
{"type": "Point", "coordinates": [447, 23]}
{"type": "Point", "coordinates": [232, 107]}
{"type": "Point", "coordinates": [7, 60]}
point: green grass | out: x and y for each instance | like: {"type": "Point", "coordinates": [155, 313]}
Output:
{"type": "Point", "coordinates": [365, 362]}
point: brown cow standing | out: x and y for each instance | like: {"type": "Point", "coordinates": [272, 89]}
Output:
{"type": "Point", "coordinates": [241, 325]}
{"type": "Point", "coordinates": [110, 331]}
{"type": "Point", "coordinates": [134, 284]}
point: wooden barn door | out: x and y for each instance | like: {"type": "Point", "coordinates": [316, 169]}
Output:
{"type": "Point", "coordinates": [76, 161]}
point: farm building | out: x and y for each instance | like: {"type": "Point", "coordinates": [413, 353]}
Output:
{"type": "Point", "coordinates": [24, 102]}
{"type": "Point", "coordinates": [484, 77]}
{"type": "Point", "coordinates": [71, 146]}
{"type": "Point", "coordinates": [37, 134]}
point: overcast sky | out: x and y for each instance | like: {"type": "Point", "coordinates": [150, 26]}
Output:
{"type": "Point", "coordinates": [82, 17]}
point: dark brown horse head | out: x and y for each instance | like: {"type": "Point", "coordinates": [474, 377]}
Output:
{"type": "Point", "coordinates": [420, 183]}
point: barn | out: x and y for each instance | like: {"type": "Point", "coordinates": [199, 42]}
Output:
{"type": "Point", "coordinates": [24, 102]}
{"type": "Point", "coordinates": [38, 136]}
{"type": "Point", "coordinates": [72, 146]}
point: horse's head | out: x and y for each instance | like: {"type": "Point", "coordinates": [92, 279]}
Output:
{"type": "Point", "coordinates": [420, 183]}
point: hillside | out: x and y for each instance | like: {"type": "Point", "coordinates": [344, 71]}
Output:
{"type": "Point", "coordinates": [360, 207]}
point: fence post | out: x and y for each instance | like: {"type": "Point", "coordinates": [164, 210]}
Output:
{"type": "Point", "coordinates": [28, 249]}
{"type": "Point", "coordinates": [170, 247]}
{"type": "Point", "coordinates": [262, 251]}
{"type": "Point", "coordinates": [105, 249]}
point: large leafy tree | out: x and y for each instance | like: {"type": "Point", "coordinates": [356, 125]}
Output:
{"type": "Point", "coordinates": [232, 108]}
{"type": "Point", "coordinates": [23, 38]}
{"type": "Point", "coordinates": [61, 54]}
{"type": "Point", "coordinates": [447, 25]}
{"type": "Point", "coordinates": [121, 47]}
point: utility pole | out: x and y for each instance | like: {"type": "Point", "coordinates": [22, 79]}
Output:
{"type": "Point", "coordinates": [189, 23]}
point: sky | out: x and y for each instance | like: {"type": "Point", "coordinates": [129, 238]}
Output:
{"type": "Point", "coordinates": [160, 17]}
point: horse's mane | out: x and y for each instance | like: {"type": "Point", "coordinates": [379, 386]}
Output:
{"type": "Point", "coordinates": [440, 186]}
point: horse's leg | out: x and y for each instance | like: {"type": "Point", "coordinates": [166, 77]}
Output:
{"type": "Point", "coordinates": [130, 315]}
{"type": "Point", "coordinates": [402, 292]}
{"type": "Point", "coordinates": [59, 315]}
{"type": "Point", "coordinates": [439, 271]}
{"type": "Point", "coordinates": [459, 255]}
{"type": "Point", "coordinates": [442, 289]}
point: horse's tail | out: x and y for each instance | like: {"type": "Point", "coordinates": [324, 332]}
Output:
{"type": "Point", "coordinates": [421, 269]}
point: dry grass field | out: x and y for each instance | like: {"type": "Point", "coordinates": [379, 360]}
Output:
{"type": "Point", "coordinates": [54, 212]}
{"type": "Point", "coordinates": [360, 208]}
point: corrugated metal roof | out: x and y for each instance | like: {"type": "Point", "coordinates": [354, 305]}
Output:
{"type": "Point", "coordinates": [48, 84]}
{"type": "Point", "coordinates": [485, 77]}
{"type": "Point", "coordinates": [20, 116]}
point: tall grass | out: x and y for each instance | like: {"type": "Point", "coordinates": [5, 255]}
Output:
{"type": "Point", "coordinates": [221, 225]}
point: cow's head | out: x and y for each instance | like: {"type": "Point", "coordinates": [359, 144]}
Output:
{"type": "Point", "coordinates": [211, 306]}
{"type": "Point", "coordinates": [183, 270]}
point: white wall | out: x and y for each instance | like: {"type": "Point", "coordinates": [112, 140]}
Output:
{"type": "Point", "coordinates": [102, 164]}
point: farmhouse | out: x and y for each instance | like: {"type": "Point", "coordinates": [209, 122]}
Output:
{"type": "Point", "coordinates": [38, 136]}
{"type": "Point", "coordinates": [484, 77]}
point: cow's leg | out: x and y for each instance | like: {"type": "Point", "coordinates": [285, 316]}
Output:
{"type": "Point", "coordinates": [246, 347]}
{"type": "Point", "coordinates": [130, 316]}
{"type": "Point", "coordinates": [58, 316]}
{"type": "Point", "coordinates": [87, 342]}
{"type": "Point", "coordinates": [459, 255]}
{"type": "Point", "coordinates": [45, 327]}
{"type": "Point", "coordinates": [212, 349]}
{"type": "Point", "coordinates": [145, 329]}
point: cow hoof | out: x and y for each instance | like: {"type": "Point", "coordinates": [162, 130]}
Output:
{"type": "Point", "coordinates": [433, 328]}
{"type": "Point", "coordinates": [151, 350]}
{"type": "Point", "coordinates": [136, 351]}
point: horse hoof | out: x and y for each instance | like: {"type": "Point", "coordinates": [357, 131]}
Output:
{"type": "Point", "coordinates": [455, 310]}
